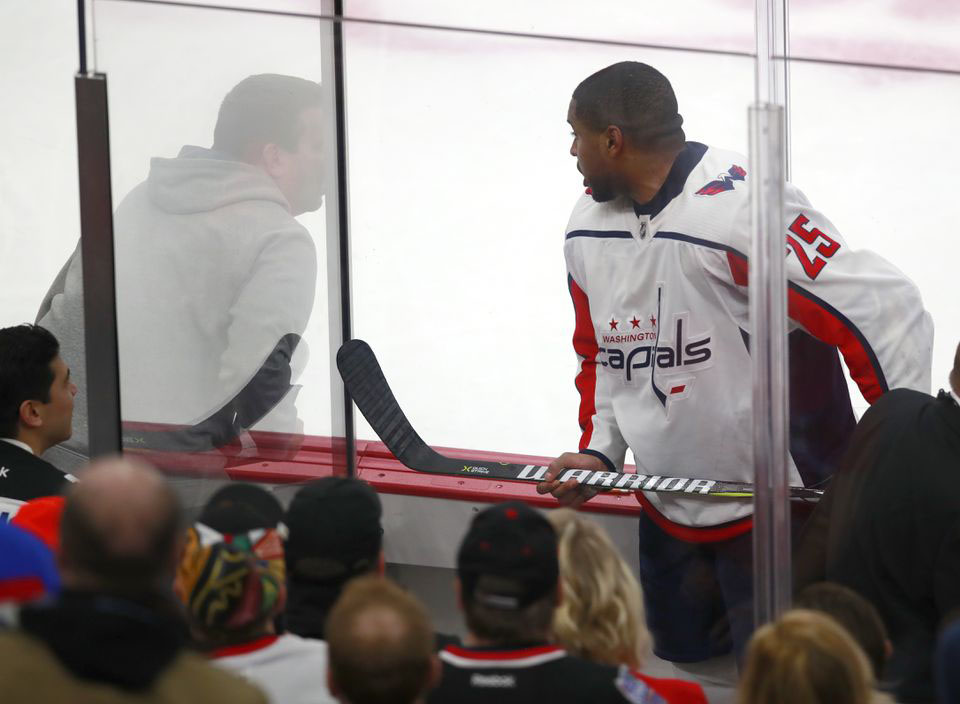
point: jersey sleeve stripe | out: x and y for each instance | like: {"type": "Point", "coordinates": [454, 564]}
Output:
{"type": "Point", "coordinates": [826, 323]}
{"type": "Point", "coordinates": [585, 345]}
{"type": "Point", "coordinates": [600, 234]}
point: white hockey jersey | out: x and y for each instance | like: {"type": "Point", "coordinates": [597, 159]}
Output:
{"type": "Point", "coordinates": [662, 329]}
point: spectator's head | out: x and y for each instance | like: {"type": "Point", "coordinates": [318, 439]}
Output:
{"type": "Point", "coordinates": [805, 657]}
{"type": "Point", "coordinates": [601, 617]}
{"type": "Point", "coordinates": [855, 614]}
{"type": "Point", "coordinates": [41, 517]}
{"type": "Point", "coordinates": [508, 575]}
{"type": "Point", "coordinates": [231, 575]}
{"type": "Point", "coordinates": [121, 530]}
{"type": "Point", "coordinates": [36, 394]}
{"type": "Point", "coordinates": [334, 535]}
{"type": "Point", "coordinates": [255, 508]}
{"type": "Point", "coordinates": [955, 373]}
{"type": "Point", "coordinates": [381, 645]}
{"type": "Point", "coordinates": [276, 122]}
{"type": "Point", "coordinates": [624, 110]}
{"type": "Point", "coordinates": [27, 570]}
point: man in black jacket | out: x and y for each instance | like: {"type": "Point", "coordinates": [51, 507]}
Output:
{"type": "Point", "coordinates": [36, 412]}
{"type": "Point", "coordinates": [889, 526]}
{"type": "Point", "coordinates": [508, 584]}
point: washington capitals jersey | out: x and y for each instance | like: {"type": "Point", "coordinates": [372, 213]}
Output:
{"type": "Point", "coordinates": [662, 331]}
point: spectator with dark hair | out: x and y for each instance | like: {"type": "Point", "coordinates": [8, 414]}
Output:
{"type": "Point", "coordinates": [231, 580]}
{"type": "Point", "coordinates": [36, 413]}
{"type": "Point", "coordinates": [381, 645]}
{"type": "Point", "coordinates": [855, 614]}
{"type": "Point", "coordinates": [115, 633]}
{"type": "Point", "coordinates": [888, 526]}
{"type": "Point", "coordinates": [334, 535]}
{"type": "Point", "coordinates": [601, 616]}
{"type": "Point", "coordinates": [806, 657]}
{"type": "Point", "coordinates": [215, 276]}
{"type": "Point", "coordinates": [508, 582]}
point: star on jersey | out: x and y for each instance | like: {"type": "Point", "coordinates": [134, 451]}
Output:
{"type": "Point", "coordinates": [614, 323]}
{"type": "Point", "coordinates": [635, 323]}
{"type": "Point", "coordinates": [653, 321]}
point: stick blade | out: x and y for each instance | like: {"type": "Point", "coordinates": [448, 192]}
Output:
{"type": "Point", "coordinates": [366, 384]}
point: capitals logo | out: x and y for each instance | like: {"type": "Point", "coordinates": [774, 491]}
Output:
{"type": "Point", "coordinates": [724, 182]}
{"type": "Point", "coordinates": [666, 359]}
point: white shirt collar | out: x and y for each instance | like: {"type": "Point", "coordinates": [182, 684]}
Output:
{"type": "Point", "coordinates": [953, 395]}
{"type": "Point", "coordinates": [19, 444]}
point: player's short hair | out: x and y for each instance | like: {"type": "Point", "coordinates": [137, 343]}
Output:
{"type": "Point", "coordinates": [507, 627]}
{"type": "Point", "coordinates": [601, 617]}
{"type": "Point", "coordinates": [634, 97]}
{"type": "Point", "coordinates": [854, 613]}
{"type": "Point", "coordinates": [381, 643]}
{"type": "Point", "coordinates": [26, 352]}
{"type": "Point", "coordinates": [263, 109]}
{"type": "Point", "coordinates": [805, 657]}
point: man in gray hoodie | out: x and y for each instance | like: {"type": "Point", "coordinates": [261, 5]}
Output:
{"type": "Point", "coordinates": [215, 277]}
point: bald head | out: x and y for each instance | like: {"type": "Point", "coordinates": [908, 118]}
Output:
{"type": "Point", "coordinates": [381, 644]}
{"type": "Point", "coordinates": [120, 528]}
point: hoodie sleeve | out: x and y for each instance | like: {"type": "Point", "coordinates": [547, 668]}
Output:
{"type": "Point", "coordinates": [267, 319]}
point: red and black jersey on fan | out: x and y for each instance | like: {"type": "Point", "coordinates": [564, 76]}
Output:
{"type": "Point", "coordinates": [547, 673]}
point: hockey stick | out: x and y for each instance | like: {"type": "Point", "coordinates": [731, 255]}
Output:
{"type": "Point", "coordinates": [368, 387]}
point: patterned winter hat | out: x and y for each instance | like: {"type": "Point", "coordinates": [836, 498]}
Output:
{"type": "Point", "coordinates": [231, 582]}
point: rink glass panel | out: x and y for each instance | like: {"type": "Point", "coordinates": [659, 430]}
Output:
{"type": "Point", "coordinates": [461, 187]}
{"type": "Point", "coordinates": [886, 180]}
{"type": "Point", "coordinates": [204, 298]}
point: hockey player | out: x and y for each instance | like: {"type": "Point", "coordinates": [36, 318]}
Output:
{"type": "Point", "coordinates": [657, 271]}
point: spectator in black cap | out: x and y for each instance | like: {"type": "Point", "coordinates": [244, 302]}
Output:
{"type": "Point", "coordinates": [508, 583]}
{"type": "Point", "coordinates": [334, 535]}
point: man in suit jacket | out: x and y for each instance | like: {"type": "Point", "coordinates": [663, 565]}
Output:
{"type": "Point", "coordinates": [36, 412]}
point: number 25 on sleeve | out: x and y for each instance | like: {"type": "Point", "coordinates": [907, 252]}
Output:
{"type": "Point", "coordinates": [827, 246]}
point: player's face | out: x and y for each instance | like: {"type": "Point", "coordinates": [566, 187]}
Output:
{"type": "Point", "coordinates": [57, 414]}
{"type": "Point", "coordinates": [304, 167]}
{"type": "Point", "coordinates": [587, 147]}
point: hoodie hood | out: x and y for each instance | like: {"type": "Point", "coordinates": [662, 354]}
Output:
{"type": "Point", "coordinates": [109, 639]}
{"type": "Point", "coordinates": [199, 180]}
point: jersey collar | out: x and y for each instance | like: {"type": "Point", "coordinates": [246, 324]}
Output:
{"type": "Point", "coordinates": [685, 162]}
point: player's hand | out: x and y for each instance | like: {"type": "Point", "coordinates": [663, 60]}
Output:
{"type": "Point", "coordinates": [570, 493]}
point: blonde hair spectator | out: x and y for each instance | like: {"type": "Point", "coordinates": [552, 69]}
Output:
{"type": "Point", "coordinates": [601, 615]}
{"type": "Point", "coordinates": [805, 658]}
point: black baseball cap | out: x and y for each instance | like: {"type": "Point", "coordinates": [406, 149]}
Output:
{"type": "Point", "coordinates": [508, 559]}
{"type": "Point", "coordinates": [333, 529]}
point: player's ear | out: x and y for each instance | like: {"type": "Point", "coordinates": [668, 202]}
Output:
{"type": "Point", "coordinates": [613, 140]}
{"type": "Point", "coordinates": [271, 159]}
{"type": "Point", "coordinates": [30, 414]}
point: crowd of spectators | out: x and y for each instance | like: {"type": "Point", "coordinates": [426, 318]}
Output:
{"type": "Point", "coordinates": [109, 594]}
